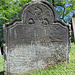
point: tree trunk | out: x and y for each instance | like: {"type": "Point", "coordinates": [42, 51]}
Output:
{"type": "Point", "coordinates": [53, 2]}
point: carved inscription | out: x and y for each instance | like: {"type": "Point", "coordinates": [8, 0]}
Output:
{"type": "Point", "coordinates": [36, 41]}
{"type": "Point", "coordinates": [31, 21]}
{"type": "Point", "coordinates": [39, 13]}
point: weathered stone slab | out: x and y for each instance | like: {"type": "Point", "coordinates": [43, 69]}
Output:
{"type": "Point", "coordinates": [0, 51]}
{"type": "Point", "coordinates": [35, 40]}
{"type": "Point", "coordinates": [73, 23]}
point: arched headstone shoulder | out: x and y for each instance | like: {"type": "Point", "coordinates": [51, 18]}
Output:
{"type": "Point", "coordinates": [40, 8]}
{"type": "Point", "coordinates": [36, 39]}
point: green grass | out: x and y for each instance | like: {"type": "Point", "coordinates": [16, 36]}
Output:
{"type": "Point", "coordinates": [72, 49]}
{"type": "Point", "coordinates": [63, 69]}
{"type": "Point", "coordinates": [72, 53]}
{"type": "Point", "coordinates": [1, 63]}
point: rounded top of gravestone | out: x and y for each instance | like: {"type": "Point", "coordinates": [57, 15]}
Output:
{"type": "Point", "coordinates": [40, 10]}
{"type": "Point", "coordinates": [39, 0]}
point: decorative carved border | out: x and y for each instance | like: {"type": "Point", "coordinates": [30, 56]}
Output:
{"type": "Point", "coordinates": [45, 2]}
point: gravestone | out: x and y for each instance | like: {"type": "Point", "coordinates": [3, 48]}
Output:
{"type": "Point", "coordinates": [0, 51]}
{"type": "Point", "coordinates": [35, 40]}
{"type": "Point", "coordinates": [73, 25]}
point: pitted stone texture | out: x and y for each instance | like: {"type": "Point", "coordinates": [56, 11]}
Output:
{"type": "Point", "coordinates": [36, 41]}
{"type": "Point", "coordinates": [22, 33]}
{"type": "Point", "coordinates": [24, 58]}
{"type": "Point", "coordinates": [38, 14]}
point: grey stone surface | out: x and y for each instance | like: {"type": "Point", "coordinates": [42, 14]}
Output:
{"type": "Point", "coordinates": [0, 51]}
{"type": "Point", "coordinates": [35, 40]}
{"type": "Point", "coordinates": [73, 23]}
